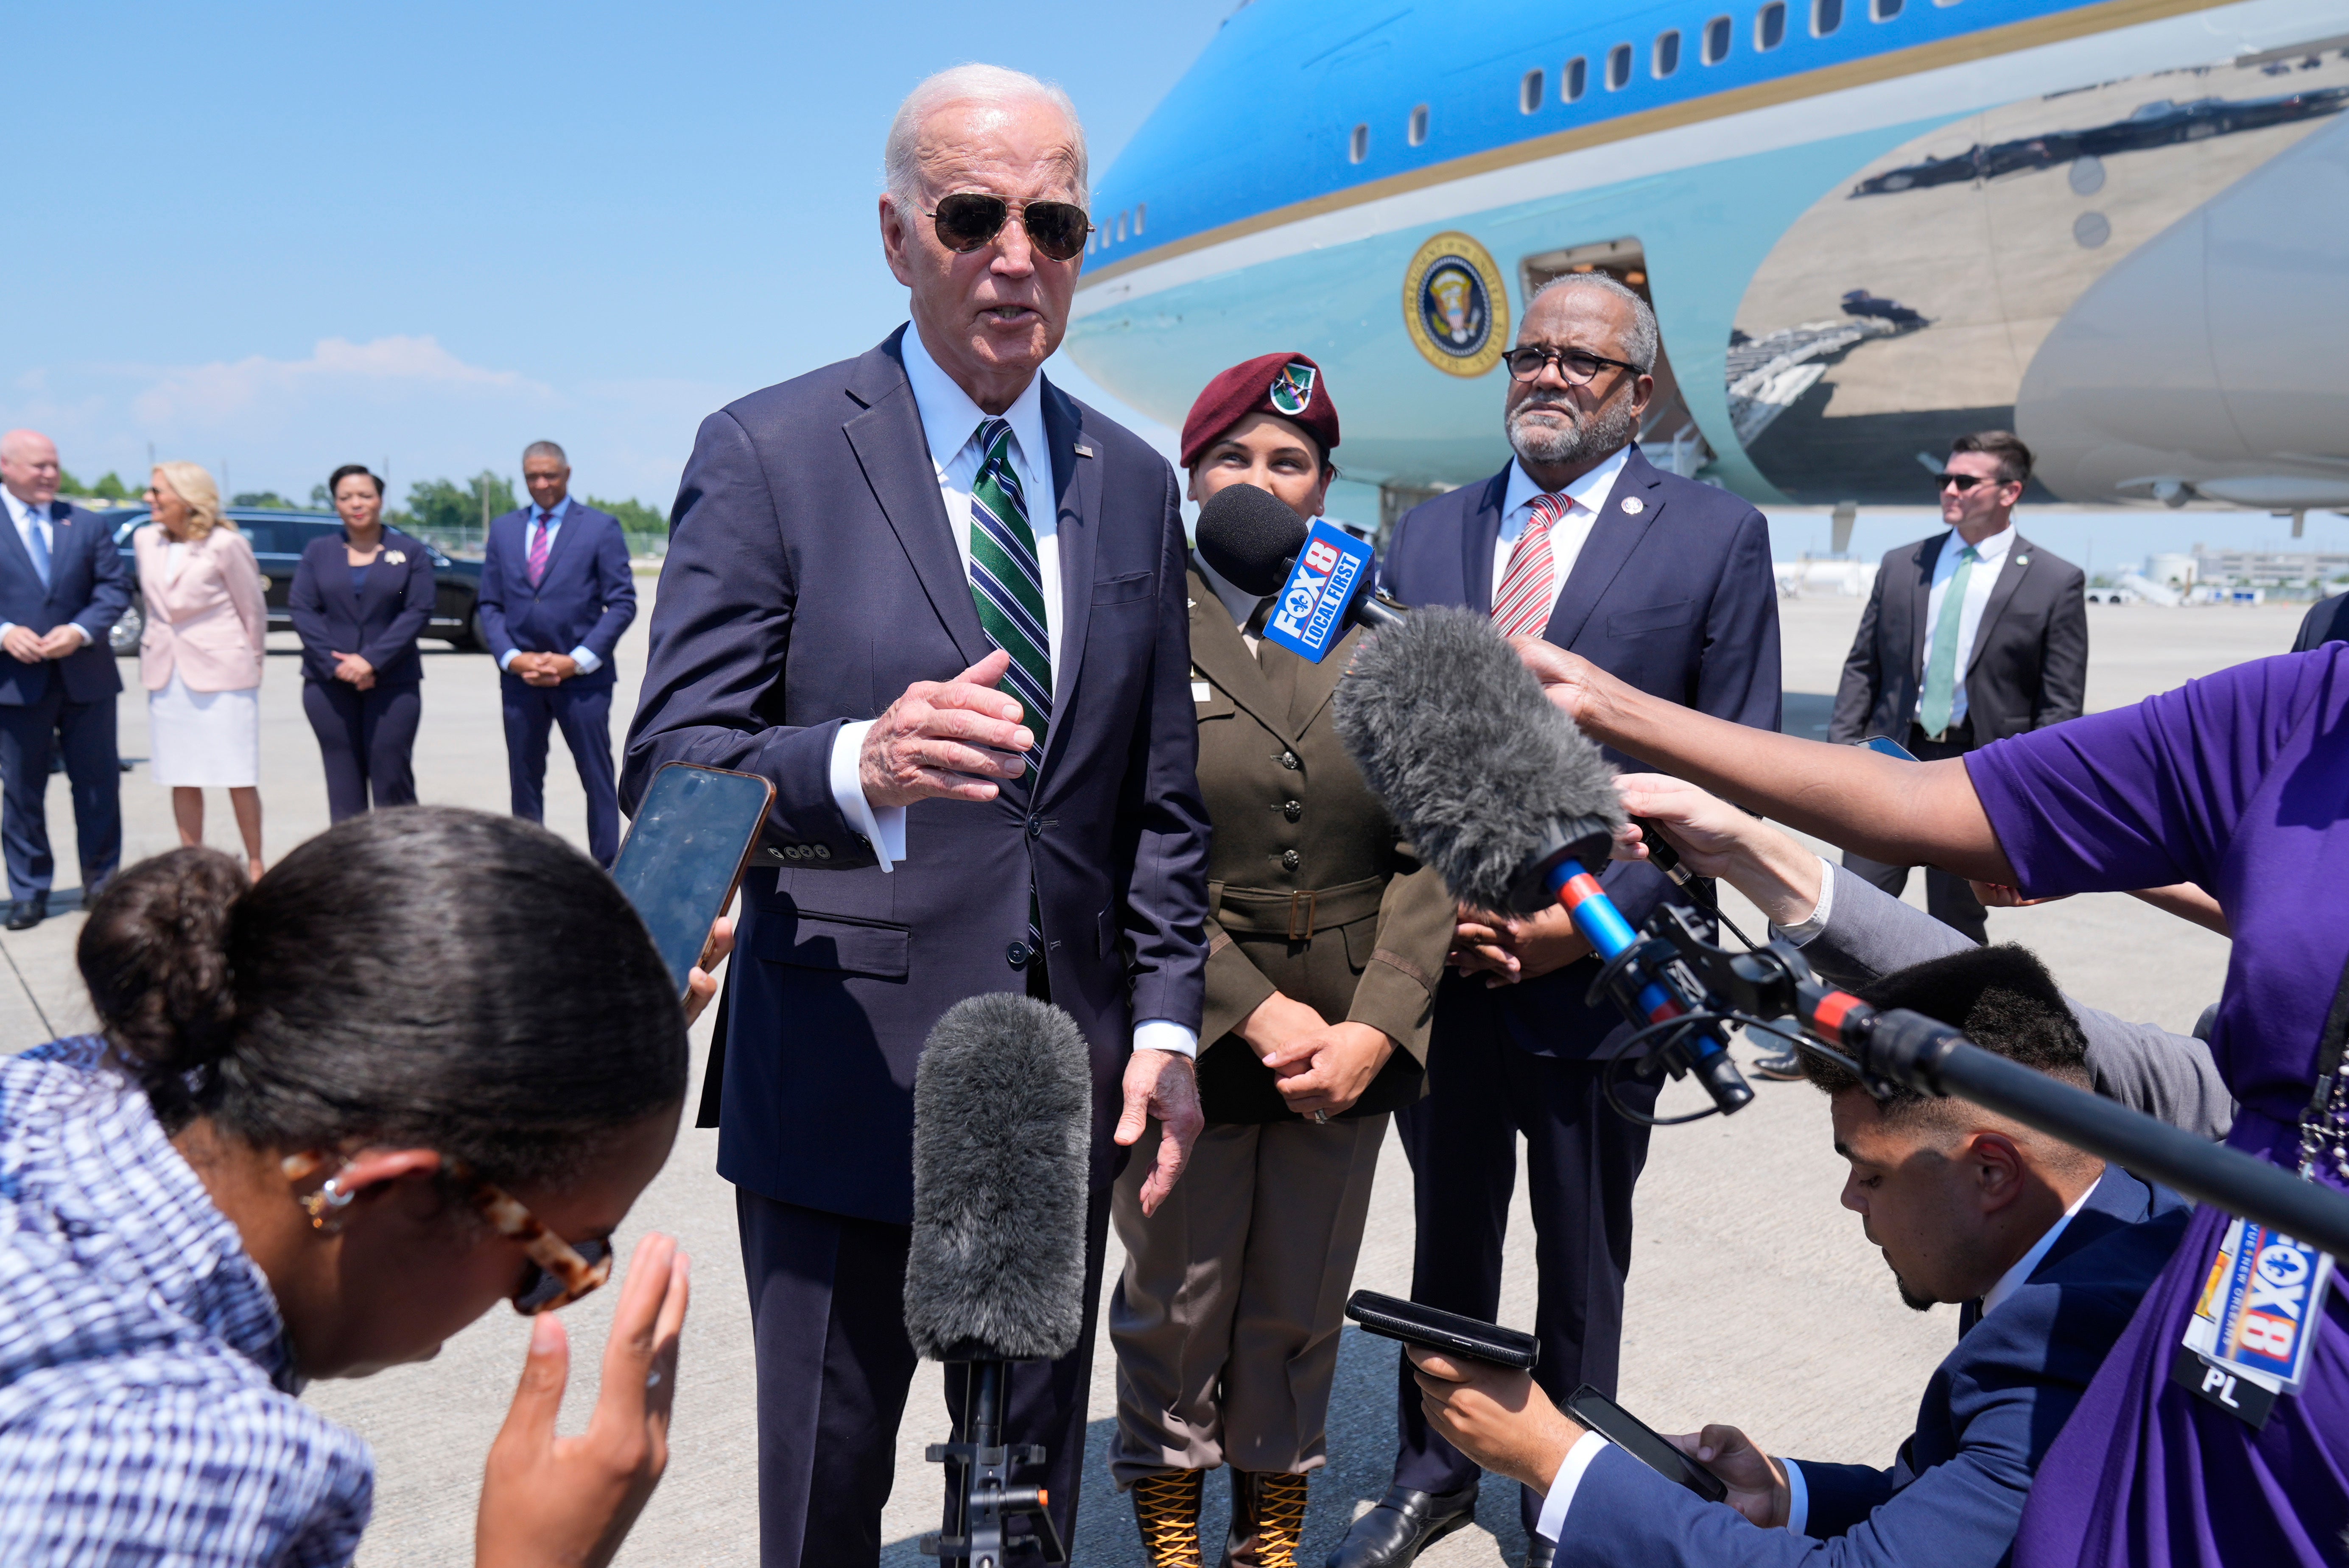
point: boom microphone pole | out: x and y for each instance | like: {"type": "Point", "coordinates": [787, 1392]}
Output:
{"type": "Point", "coordinates": [1511, 804]}
{"type": "Point", "coordinates": [996, 1269]}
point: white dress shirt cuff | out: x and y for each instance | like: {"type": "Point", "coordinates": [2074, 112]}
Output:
{"type": "Point", "coordinates": [77, 626]}
{"type": "Point", "coordinates": [7, 628]}
{"type": "Point", "coordinates": [1804, 930]}
{"type": "Point", "coordinates": [1165, 1034]}
{"type": "Point", "coordinates": [884, 827]}
{"type": "Point", "coordinates": [1560, 1499]}
{"type": "Point", "coordinates": [506, 660]}
{"type": "Point", "coordinates": [1799, 1498]}
{"type": "Point", "coordinates": [587, 662]}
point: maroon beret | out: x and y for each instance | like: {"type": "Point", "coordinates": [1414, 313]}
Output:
{"type": "Point", "coordinates": [1288, 385]}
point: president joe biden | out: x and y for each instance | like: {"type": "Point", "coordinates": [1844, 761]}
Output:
{"type": "Point", "coordinates": [940, 603]}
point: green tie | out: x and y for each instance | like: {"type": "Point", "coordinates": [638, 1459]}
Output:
{"type": "Point", "coordinates": [1941, 668]}
{"type": "Point", "coordinates": [1006, 581]}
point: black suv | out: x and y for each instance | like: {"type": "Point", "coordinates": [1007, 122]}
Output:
{"type": "Point", "coordinates": [278, 538]}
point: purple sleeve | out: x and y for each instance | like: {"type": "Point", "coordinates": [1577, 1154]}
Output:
{"type": "Point", "coordinates": [2143, 796]}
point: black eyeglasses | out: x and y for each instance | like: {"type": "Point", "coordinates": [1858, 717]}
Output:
{"type": "Point", "coordinates": [1576, 364]}
{"type": "Point", "coordinates": [1963, 481]}
{"type": "Point", "coordinates": [969, 219]}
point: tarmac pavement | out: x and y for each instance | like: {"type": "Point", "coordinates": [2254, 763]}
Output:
{"type": "Point", "coordinates": [1754, 1298]}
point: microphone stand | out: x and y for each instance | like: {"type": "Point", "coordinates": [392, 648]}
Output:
{"type": "Point", "coordinates": [981, 1502]}
{"type": "Point", "coordinates": [1906, 1049]}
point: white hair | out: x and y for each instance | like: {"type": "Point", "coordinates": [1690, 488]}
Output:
{"type": "Point", "coordinates": [901, 166]}
{"type": "Point", "coordinates": [1644, 337]}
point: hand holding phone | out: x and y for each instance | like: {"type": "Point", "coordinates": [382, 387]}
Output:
{"type": "Point", "coordinates": [1628, 1432]}
{"type": "Point", "coordinates": [1449, 1332]}
{"type": "Point", "coordinates": [685, 855]}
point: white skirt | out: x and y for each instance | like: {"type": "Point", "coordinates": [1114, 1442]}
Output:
{"type": "Point", "coordinates": [204, 738]}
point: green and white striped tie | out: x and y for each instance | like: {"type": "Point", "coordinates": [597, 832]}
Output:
{"type": "Point", "coordinates": [1007, 582]}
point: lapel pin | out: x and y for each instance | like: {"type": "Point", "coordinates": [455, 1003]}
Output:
{"type": "Point", "coordinates": [1083, 451]}
{"type": "Point", "coordinates": [1633, 505]}
{"type": "Point", "coordinates": [2023, 560]}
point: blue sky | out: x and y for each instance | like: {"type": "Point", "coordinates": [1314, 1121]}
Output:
{"type": "Point", "coordinates": [280, 238]}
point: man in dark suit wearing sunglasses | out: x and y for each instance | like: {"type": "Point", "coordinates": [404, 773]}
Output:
{"type": "Point", "coordinates": [1968, 637]}
{"type": "Point", "coordinates": [941, 605]}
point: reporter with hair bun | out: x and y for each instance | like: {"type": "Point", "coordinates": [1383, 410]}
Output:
{"type": "Point", "coordinates": [334, 1117]}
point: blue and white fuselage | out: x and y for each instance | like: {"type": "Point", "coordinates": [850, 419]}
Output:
{"type": "Point", "coordinates": [1866, 226]}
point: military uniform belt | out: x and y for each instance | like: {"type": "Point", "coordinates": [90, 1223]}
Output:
{"type": "Point", "coordinates": [1294, 912]}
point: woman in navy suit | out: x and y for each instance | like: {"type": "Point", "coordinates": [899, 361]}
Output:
{"type": "Point", "coordinates": [358, 602]}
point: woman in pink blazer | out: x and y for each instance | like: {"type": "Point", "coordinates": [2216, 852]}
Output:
{"type": "Point", "coordinates": [201, 655]}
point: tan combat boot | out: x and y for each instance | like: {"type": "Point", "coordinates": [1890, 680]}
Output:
{"type": "Point", "coordinates": [1267, 1520]}
{"type": "Point", "coordinates": [1166, 1506]}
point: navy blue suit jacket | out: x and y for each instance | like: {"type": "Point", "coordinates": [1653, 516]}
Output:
{"type": "Point", "coordinates": [1676, 598]}
{"type": "Point", "coordinates": [587, 597]}
{"type": "Point", "coordinates": [380, 623]}
{"type": "Point", "coordinates": [88, 585]}
{"type": "Point", "coordinates": [1955, 1494]}
{"type": "Point", "coordinates": [812, 576]}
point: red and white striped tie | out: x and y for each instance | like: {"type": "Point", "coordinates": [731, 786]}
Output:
{"type": "Point", "coordinates": [1527, 594]}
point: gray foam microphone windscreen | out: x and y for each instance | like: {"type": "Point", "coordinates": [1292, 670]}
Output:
{"type": "Point", "coordinates": [1002, 1139]}
{"type": "Point", "coordinates": [1452, 731]}
{"type": "Point", "coordinates": [1249, 536]}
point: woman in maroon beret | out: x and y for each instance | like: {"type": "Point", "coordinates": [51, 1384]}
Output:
{"type": "Point", "coordinates": [1325, 937]}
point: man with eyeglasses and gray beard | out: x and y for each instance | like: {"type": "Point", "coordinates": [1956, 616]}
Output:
{"type": "Point", "coordinates": [1666, 583]}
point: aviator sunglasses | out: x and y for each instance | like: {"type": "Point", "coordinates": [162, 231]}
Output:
{"type": "Point", "coordinates": [1963, 481]}
{"type": "Point", "coordinates": [969, 219]}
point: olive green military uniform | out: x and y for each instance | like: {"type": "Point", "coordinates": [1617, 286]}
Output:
{"type": "Point", "coordinates": [1226, 1319]}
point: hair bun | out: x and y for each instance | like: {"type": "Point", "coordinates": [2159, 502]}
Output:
{"type": "Point", "coordinates": [154, 953]}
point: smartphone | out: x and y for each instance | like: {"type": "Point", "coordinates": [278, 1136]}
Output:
{"type": "Point", "coordinates": [1448, 1331]}
{"type": "Point", "coordinates": [1626, 1431]}
{"type": "Point", "coordinates": [1888, 747]}
{"type": "Point", "coordinates": [685, 855]}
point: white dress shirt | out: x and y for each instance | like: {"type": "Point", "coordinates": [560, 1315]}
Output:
{"type": "Point", "coordinates": [950, 423]}
{"type": "Point", "coordinates": [1589, 495]}
{"type": "Point", "coordinates": [581, 655]}
{"type": "Point", "coordinates": [1978, 583]}
{"type": "Point", "coordinates": [27, 519]}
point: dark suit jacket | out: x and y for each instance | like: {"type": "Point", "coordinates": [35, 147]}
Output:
{"type": "Point", "coordinates": [587, 597]}
{"type": "Point", "coordinates": [1356, 928]}
{"type": "Point", "coordinates": [2327, 621]}
{"type": "Point", "coordinates": [2030, 663]}
{"type": "Point", "coordinates": [88, 585]}
{"type": "Point", "coordinates": [1677, 598]}
{"type": "Point", "coordinates": [812, 576]}
{"type": "Point", "coordinates": [380, 623]}
{"type": "Point", "coordinates": [1955, 1494]}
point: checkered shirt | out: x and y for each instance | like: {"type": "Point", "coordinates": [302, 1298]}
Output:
{"type": "Point", "coordinates": [147, 1413]}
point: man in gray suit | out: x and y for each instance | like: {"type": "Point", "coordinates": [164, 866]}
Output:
{"type": "Point", "coordinates": [1968, 637]}
{"type": "Point", "coordinates": [1854, 935]}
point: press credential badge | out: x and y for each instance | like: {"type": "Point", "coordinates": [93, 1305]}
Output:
{"type": "Point", "coordinates": [2259, 1306]}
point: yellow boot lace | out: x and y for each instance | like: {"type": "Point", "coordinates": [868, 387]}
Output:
{"type": "Point", "coordinates": [1166, 1506]}
{"type": "Point", "coordinates": [1280, 1520]}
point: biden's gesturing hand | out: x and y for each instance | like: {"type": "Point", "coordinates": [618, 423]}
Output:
{"type": "Point", "coordinates": [1165, 1085]}
{"type": "Point", "coordinates": [950, 739]}
{"type": "Point", "coordinates": [1756, 1482]}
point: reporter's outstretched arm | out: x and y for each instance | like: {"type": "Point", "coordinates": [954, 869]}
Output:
{"type": "Point", "coordinates": [561, 1502]}
{"type": "Point", "coordinates": [1904, 813]}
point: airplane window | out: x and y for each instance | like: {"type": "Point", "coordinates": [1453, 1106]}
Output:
{"type": "Point", "coordinates": [1619, 65]}
{"type": "Point", "coordinates": [1770, 26]}
{"type": "Point", "coordinates": [1577, 77]}
{"type": "Point", "coordinates": [1883, 10]}
{"type": "Point", "coordinates": [1668, 52]}
{"type": "Point", "coordinates": [1418, 125]}
{"type": "Point", "coordinates": [1716, 40]}
{"type": "Point", "coordinates": [1358, 146]}
{"type": "Point", "coordinates": [1120, 228]}
{"type": "Point", "coordinates": [1529, 93]}
{"type": "Point", "coordinates": [1827, 16]}
{"type": "Point", "coordinates": [1141, 210]}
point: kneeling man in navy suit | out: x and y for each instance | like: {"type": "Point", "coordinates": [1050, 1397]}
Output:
{"type": "Point", "coordinates": [556, 593]}
{"type": "Point", "coordinates": [2047, 1249]}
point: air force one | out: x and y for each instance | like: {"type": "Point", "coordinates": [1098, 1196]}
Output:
{"type": "Point", "coordinates": [2120, 228]}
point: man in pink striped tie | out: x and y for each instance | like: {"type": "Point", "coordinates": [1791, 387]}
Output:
{"type": "Point", "coordinates": [556, 592]}
{"type": "Point", "coordinates": [1666, 582]}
